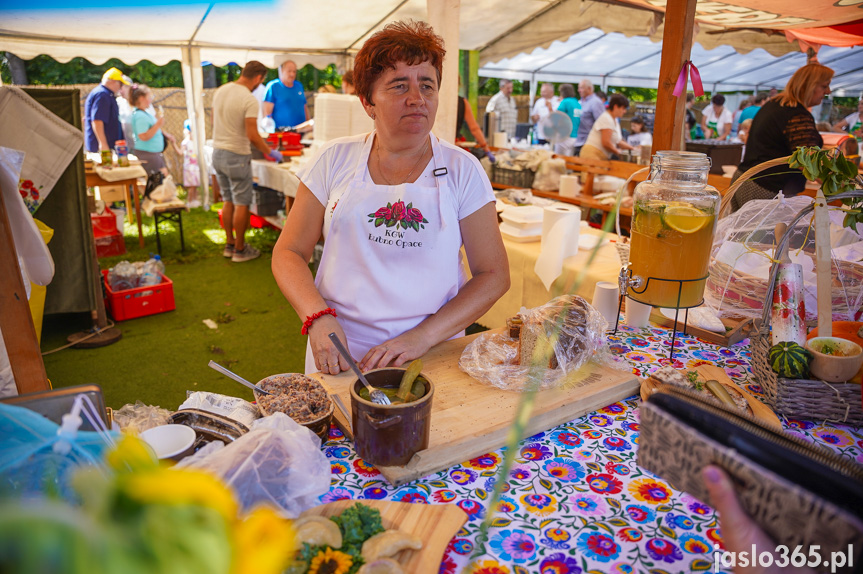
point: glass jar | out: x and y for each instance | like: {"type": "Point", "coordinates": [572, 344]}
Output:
{"type": "Point", "coordinates": [673, 220]}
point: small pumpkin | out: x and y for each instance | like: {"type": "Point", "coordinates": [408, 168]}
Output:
{"type": "Point", "coordinates": [850, 330]}
{"type": "Point", "coordinates": [789, 360]}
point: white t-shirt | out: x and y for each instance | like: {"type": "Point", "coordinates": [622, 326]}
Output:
{"type": "Point", "coordinates": [718, 124]}
{"type": "Point", "coordinates": [604, 122]}
{"type": "Point", "coordinates": [641, 138]}
{"type": "Point", "coordinates": [540, 108]}
{"type": "Point", "coordinates": [328, 174]}
{"type": "Point", "coordinates": [232, 104]}
{"type": "Point", "coordinates": [852, 122]}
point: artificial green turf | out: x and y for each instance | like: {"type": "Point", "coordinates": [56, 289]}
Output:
{"type": "Point", "coordinates": [163, 356]}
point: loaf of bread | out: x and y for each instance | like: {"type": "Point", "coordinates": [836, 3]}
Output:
{"type": "Point", "coordinates": [565, 330]}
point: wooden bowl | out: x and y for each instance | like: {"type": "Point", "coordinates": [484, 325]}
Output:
{"type": "Point", "coordinates": [320, 426]}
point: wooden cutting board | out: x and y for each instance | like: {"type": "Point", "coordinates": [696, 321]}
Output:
{"type": "Point", "coordinates": [470, 418]}
{"type": "Point", "coordinates": [434, 524]}
{"type": "Point", "coordinates": [707, 372]}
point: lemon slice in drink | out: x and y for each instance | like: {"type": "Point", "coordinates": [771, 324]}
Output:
{"type": "Point", "coordinates": [685, 218]}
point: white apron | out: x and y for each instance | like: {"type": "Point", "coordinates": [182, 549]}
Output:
{"type": "Point", "coordinates": [391, 257]}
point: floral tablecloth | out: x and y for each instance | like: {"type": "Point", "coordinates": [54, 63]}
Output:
{"type": "Point", "coordinates": [576, 501]}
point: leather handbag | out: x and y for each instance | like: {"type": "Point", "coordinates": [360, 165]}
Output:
{"type": "Point", "coordinates": [799, 493]}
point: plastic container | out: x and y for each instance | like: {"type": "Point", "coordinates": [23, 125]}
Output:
{"type": "Point", "coordinates": [152, 272]}
{"type": "Point", "coordinates": [673, 220]}
{"type": "Point", "coordinates": [523, 216]}
{"type": "Point", "coordinates": [139, 301]}
{"type": "Point", "coordinates": [122, 151]}
{"type": "Point", "coordinates": [521, 234]}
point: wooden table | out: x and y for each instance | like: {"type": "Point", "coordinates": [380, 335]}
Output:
{"type": "Point", "coordinates": [527, 290]}
{"type": "Point", "coordinates": [94, 180]}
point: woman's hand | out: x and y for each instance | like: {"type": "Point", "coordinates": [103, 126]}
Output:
{"type": "Point", "coordinates": [397, 351]}
{"type": "Point", "coordinates": [328, 360]}
{"type": "Point", "coordinates": [739, 532]}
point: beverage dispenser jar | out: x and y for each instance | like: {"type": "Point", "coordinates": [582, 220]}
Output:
{"type": "Point", "coordinates": [673, 219]}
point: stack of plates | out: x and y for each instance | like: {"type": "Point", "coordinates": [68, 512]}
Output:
{"type": "Point", "coordinates": [522, 223]}
{"type": "Point", "coordinates": [339, 115]}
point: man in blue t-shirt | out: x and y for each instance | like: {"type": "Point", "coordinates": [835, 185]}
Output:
{"type": "Point", "coordinates": [285, 99]}
{"type": "Point", "coordinates": [102, 126]}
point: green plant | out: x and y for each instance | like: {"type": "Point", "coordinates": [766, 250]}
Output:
{"type": "Point", "coordinates": [835, 172]}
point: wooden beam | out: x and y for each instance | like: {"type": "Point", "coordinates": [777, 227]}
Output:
{"type": "Point", "coordinates": [16, 323]}
{"type": "Point", "coordinates": [676, 46]}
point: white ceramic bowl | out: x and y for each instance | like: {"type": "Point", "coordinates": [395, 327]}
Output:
{"type": "Point", "coordinates": [835, 368]}
{"type": "Point", "coordinates": [170, 441]}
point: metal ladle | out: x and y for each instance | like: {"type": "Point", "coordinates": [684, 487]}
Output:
{"type": "Point", "coordinates": [217, 367]}
{"type": "Point", "coordinates": [377, 395]}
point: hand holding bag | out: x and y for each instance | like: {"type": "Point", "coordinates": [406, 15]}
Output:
{"type": "Point", "coordinates": [800, 494]}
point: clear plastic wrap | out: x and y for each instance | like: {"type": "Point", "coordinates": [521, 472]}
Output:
{"type": "Point", "coordinates": [139, 417]}
{"type": "Point", "coordinates": [561, 336]}
{"type": "Point", "coordinates": [278, 462]}
{"type": "Point", "coordinates": [743, 247]}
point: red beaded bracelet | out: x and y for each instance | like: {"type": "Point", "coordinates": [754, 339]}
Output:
{"type": "Point", "coordinates": [312, 318]}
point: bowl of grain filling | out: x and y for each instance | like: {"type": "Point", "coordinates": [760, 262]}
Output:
{"type": "Point", "coordinates": [300, 397]}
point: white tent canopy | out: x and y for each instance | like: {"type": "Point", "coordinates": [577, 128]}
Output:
{"type": "Point", "coordinates": [325, 32]}
{"type": "Point", "coordinates": [615, 60]}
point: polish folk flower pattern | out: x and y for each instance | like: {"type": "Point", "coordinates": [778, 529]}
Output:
{"type": "Point", "coordinates": [575, 500]}
{"type": "Point", "coordinates": [399, 215]}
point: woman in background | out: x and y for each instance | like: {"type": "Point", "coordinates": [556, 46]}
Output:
{"type": "Point", "coordinates": [149, 141]}
{"type": "Point", "coordinates": [605, 139]}
{"type": "Point", "coordinates": [569, 105]}
{"type": "Point", "coordinates": [782, 125]}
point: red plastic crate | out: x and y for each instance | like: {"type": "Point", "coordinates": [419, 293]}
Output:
{"type": "Point", "coordinates": [255, 221]}
{"type": "Point", "coordinates": [140, 301]}
{"type": "Point", "coordinates": [108, 245]}
{"type": "Point", "coordinates": [104, 224]}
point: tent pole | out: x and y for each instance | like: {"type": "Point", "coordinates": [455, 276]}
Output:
{"type": "Point", "coordinates": [532, 93]}
{"type": "Point", "coordinates": [444, 15]}
{"type": "Point", "coordinates": [193, 81]}
{"type": "Point", "coordinates": [676, 48]}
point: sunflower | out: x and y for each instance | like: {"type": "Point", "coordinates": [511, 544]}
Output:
{"type": "Point", "coordinates": [330, 561]}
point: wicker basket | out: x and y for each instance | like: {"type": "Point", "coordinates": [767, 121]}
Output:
{"type": "Point", "coordinates": [800, 398]}
{"type": "Point", "coordinates": [512, 177]}
{"type": "Point", "coordinates": [804, 398]}
{"type": "Point", "coordinates": [748, 291]}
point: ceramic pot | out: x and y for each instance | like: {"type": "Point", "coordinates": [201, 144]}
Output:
{"type": "Point", "coordinates": [390, 435]}
{"type": "Point", "coordinates": [834, 368]}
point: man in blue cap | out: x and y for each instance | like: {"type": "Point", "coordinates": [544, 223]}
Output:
{"type": "Point", "coordinates": [102, 126]}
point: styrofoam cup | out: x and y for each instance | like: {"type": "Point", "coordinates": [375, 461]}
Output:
{"type": "Point", "coordinates": [637, 314]}
{"type": "Point", "coordinates": [606, 297]}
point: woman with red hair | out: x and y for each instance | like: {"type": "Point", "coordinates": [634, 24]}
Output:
{"type": "Point", "coordinates": [395, 208]}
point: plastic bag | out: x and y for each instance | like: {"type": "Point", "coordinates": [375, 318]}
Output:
{"type": "Point", "coordinates": [743, 248]}
{"type": "Point", "coordinates": [278, 462]}
{"type": "Point", "coordinates": [35, 458]}
{"type": "Point", "coordinates": [232, 407]}
{"type": "Point", "coordinates": [562, 336]}
{"type": "Point", "coordinates": [548, 175]}
{"type": "Point", "coordinates": [139, 417]}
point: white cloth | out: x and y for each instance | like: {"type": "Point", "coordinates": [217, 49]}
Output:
{"type": "Point", "coordinates": [540, 108]}
{"type": "Point", "coordinates": [383, 276]}
{"type": "Point", "coordinates": [852, 122]}
{"type": "Point", "coordinates": [49, 143]}
{"type": "Point", "coordinates": [232, 104]}
{"type": "Point", "coordinates": [720, 122]}
{"type": "Point", "coordinates": [120, 173]}
{"type": "Point", "coordinates": [276, 176]}
{"type": "Point", "coordinates": [329, 173]}
{"type": "Point", "coordinates": [506, 110]}
{"type": "Point", "coordinates": [604, 122]}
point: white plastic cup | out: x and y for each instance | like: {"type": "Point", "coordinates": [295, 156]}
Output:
{"type": "Point", "coordinates": [606, 300]}
{"type": "Point", "coordinates": [637, 314]}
